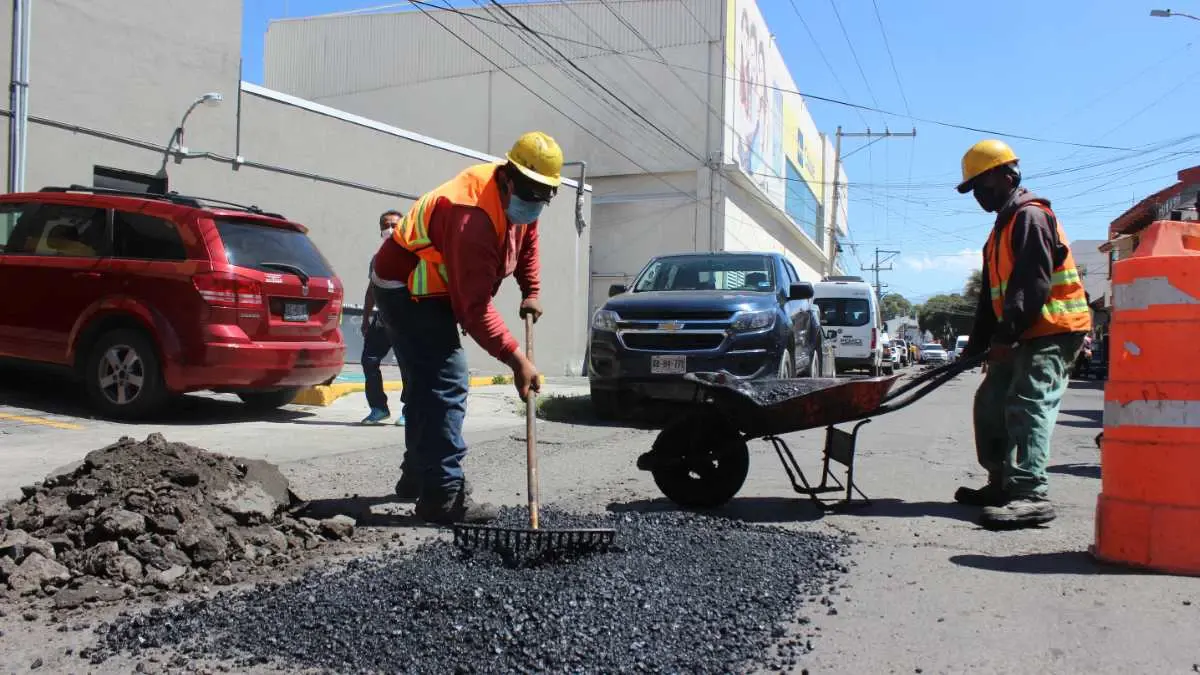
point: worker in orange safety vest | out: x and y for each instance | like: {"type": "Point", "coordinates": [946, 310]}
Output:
{"type": "Point", "coordinates": [1031, 320]}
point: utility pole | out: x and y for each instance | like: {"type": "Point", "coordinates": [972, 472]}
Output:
{"type": "Point", "coordinates": [837, 173]}
{"type": "Point", "coordinates": [878, 267]}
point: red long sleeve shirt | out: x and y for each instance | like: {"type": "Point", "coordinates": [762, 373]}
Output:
{"type": "Point", "coordinates": [475, 265]}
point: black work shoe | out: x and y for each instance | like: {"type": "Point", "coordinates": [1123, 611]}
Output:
{"type": "Point", "coordinates": [988, 495]}
{"type": "Point", "coordinates": [408, 487]}
{"type": "Point", "coordinates": [457, 508]}
{"type": "Point", "coordinates": [1018, 513]}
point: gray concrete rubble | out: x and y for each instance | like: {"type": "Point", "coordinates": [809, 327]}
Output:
{"type": "Point", "coordinates": [153, 515]}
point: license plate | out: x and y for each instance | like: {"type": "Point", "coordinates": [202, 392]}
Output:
{"type": "Point", "coordinates": [295, 311]}
{"type": "Point", "coordinates": [668, 365]}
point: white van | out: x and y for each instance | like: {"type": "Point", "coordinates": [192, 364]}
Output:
{"type": "Point", "coordinates": [960, 346]}
{"type": "Point", "coordinates": [851, 322]}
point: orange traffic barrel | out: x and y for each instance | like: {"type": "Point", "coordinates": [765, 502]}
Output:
{"type": "Point", "coordinates": [1148, 512]}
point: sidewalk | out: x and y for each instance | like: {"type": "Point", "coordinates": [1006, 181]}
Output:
{"type": "Point", "coordinates": [351, 381]}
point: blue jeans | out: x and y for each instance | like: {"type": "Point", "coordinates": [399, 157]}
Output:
{"type": "Point", "coordinates": [426, 339]}
{"type": "Point", "coordinates": [376, 345]}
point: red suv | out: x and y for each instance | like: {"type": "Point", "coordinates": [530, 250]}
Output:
{"type": "Point", "coordinates": [145, 296]}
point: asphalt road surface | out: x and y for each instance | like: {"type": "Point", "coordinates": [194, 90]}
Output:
{"type": "Point", "coordinates": [930, 591]}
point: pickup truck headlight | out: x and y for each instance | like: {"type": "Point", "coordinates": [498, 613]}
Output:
{"type": "Point", "coordinates": [750, 321]}
{"type": "Point", "coordinates": [606, 320]}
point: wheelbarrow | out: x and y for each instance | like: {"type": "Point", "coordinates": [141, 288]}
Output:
{"type": "Point", "coordinates": [701, 460]}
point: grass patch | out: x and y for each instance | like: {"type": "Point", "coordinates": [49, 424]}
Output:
{"type": "Point", "coordinates": [502, 379]}
{"type": "Point", "coordinates": [562, 408]}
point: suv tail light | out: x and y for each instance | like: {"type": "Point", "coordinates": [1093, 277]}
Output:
{"type": "Point", "coordinates": [229, 291]}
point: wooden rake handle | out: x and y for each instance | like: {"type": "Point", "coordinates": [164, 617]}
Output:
{"type": "Point", "coordinates": [530, 439]}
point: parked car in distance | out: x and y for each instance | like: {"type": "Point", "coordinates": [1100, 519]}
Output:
{"type": "Point", "coordinates": [145, 296]}
{"type": "Point", "coordinates": [745, 313]}
{"type": "Point", "coordinates": [889, 362]}
{"type": "Point", "coordinates": [901, 348]}
{"type": "Point", "coordinates": [933, 353]}
{"type": "Point", "coordinates": [960, 346]}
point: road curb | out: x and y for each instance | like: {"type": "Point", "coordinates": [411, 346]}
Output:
{"type": "Point", "coordinates": [324, 395]}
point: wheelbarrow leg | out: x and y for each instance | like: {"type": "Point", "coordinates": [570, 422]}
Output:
{"type": "Point", "coordinates": [840, 447]}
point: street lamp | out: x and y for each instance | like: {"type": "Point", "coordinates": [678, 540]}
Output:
{"type": "Point", "coordinates": [1166, 14]}
{"type": "Point", "coordinates": [211, 99]}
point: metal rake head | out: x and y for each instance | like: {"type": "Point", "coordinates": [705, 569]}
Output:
{"type": "Point", "coordinates": [514, 540]}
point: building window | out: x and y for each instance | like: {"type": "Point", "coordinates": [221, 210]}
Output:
{"type": "Point", "coordinates": [128, 181]}
{"type": "Point", "coordinates": [800, 203]}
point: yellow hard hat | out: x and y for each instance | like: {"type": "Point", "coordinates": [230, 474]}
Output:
{"type": "Point", "coordinates": [984, 156]}
{"type": "Point", "coordinates": [538, 156]}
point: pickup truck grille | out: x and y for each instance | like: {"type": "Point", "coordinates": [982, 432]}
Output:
{"type": "Point", "coordinates": [672, 342]}
{"type": "Point", "coordinates": [660, 315]}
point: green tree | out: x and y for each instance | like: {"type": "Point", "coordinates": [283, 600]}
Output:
{"type": "Point", "coordinates": [974, 286]}
{"type": "Point", "coordinates": [947, 316]}
{"type": "Point", "coordinates": [894, 305]}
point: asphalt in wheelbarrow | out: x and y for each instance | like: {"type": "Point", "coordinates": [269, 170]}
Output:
{"type": "Point", "coordinates": [764, 407]}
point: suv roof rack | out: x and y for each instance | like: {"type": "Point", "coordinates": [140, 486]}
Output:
{"type": "Point", "coordinates": [173, 197]}
{"type": "Point", "coordinates": [842, 278]}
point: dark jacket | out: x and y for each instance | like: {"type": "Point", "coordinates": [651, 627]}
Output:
{"type": "Point", "coordinates": [1036, 251]}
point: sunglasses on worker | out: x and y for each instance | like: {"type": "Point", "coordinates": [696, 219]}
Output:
{"type": "Point", "coordinates": [532, 191]}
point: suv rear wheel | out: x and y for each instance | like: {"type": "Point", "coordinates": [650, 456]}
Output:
{"type": "Point", "coordinates": [268, 400]}
{"type": "Point", "coordinates": [122, 375]}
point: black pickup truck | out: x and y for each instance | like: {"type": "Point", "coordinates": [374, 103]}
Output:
{"type": "Point", "coordinates": [745, 313]}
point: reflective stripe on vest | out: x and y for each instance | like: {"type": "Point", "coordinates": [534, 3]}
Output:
{"type": "Point", "coordinates": [1065, 311]}
{"type": "Point", "coordinates": [475, 187]}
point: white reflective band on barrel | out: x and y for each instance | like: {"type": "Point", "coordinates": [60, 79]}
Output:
{"type": "Point", "coordinates": [1149, 291]}
{"type": "Point", "coordinates": [1152, 414]}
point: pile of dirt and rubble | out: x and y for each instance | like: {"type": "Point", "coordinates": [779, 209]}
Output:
{"type": "Point", "coordinates": [142, 517]}
{"type": "Point", "coordinates": [682, 593]}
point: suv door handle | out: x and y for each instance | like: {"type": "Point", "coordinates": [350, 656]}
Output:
{"type": "Point", "coordinates": [86, 275]}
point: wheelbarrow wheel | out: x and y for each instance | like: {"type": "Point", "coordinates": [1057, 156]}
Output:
{"type": "Point", "coordinates": [703, 461]}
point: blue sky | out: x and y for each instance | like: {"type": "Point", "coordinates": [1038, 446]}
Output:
{"type": "Point", "coordinates": [1102, 72]}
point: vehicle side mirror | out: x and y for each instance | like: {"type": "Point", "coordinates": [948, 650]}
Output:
{"type": "Point", "coordinates": [801, 291]}
{"type": "Point", "coordinates": [616, 289]}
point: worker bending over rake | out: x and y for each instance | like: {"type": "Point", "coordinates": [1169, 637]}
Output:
{"type": "Point", "coordinates": [441, 268]}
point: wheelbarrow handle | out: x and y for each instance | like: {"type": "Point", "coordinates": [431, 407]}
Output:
{"type": "Point", "coordinates": [924, 383]}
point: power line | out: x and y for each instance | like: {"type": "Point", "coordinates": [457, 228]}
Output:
{"type": "Point", "coordinates": [891, 58]}
{"type": "Point", "coordinates": [583, 72]}
{"type": "Point", "coordinates": [817, 45]}
{"type": "Point", "coordinates": [814, 97]}
{"type": "Point", "coordinates": [853, 53]}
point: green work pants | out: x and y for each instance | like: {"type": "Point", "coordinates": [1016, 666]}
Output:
{"type": "Point", "coordinates": [1016, 408]}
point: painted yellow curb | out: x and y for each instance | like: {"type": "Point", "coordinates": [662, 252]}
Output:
{"type": "Point", "coordinates": [324, 395]}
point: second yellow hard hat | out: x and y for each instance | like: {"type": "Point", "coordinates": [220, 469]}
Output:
{"type": "Point", "coordinates": [984, 156]}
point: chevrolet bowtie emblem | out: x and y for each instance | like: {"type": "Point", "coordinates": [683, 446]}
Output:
{"type": "Point", "coordinates": [671, 325]}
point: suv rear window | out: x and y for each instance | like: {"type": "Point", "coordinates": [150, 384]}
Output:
{"type": "Point", "coordinates": [846, 312]}
{"type": "Point", "coordinates": [251, 244]}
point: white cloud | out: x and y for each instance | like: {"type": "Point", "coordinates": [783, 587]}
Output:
{"type": "Point", "coordinates": [962, 261]}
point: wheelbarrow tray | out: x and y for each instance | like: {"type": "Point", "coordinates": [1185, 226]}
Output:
{"type": "Point", "coordinates": [771, 407]}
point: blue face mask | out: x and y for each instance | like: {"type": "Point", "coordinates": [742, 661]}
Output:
{"type": "Point", "coordinates": [521, 212]}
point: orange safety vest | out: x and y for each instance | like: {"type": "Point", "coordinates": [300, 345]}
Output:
{"type": "Point", "coordinates": [1065, 311]}
{"type": "Point", "coordinates": [475, 186]}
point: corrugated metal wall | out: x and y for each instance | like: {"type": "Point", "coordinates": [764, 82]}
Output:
{"type": "Point", "coordinates": [327, 56]}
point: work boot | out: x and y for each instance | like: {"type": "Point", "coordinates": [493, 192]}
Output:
{"type": "Point", "coordinates": [988, 495]}
{"type": "Point", "coordinates": [458, 507]}
{"type": "Point", "coordinates": [1019, 513]}
{"type": "Point", "coordinates": [408, 487]}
